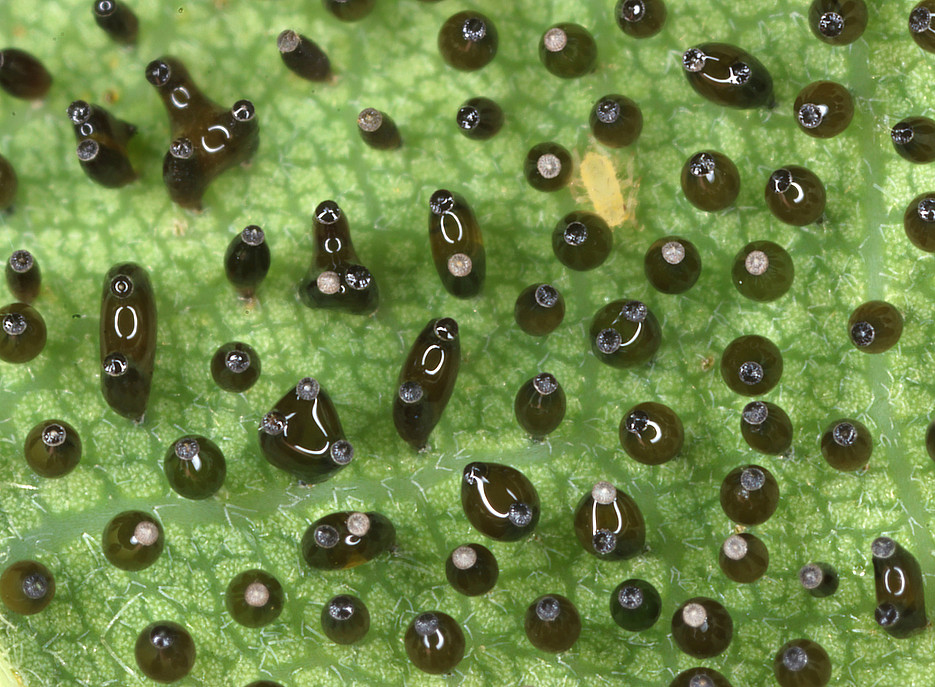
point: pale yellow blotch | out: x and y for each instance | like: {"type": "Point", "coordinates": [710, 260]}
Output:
{"type": "Point", "coordinates": [612, 195]}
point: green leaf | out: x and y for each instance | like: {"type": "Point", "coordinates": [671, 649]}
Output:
{"type": "Point", "coordinates": [310, 151]}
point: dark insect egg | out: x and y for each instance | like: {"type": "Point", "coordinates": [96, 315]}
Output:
{"type": "Point", "coordinates": [303, 435]}
{"type": "Point", "coordinates": [651, 433]}
{"type": "Point", "coordinates": [378, 130]}
{"type": "Point", "coordinates": [117, 20]}
{"type": "Point", "coordinates": [837, 22]}
{"type": "Point", "coordinates": [701, 627]}
{"type": "Point", "coordinates": [802, 663]}
{"type": "Point", "coordinates": [22, 75]}
{"type": "Point", "coordinates": [264, 683]}
{"type": "Point", "coordinates": [672, 264]}
{"type": "Point", "coordinates": [914, 139]}
{"type": "Point", "coordinates": [479, 118]}
{"type": "Point", "coordinates": [499, 501]}
{"type": "Point", "coordinates": [899, 588]}
{"type": "Point", "coordinates": [921, 25]}
{"type": "Point", "coordinates": [102, 144]}
{"type": "Point", "coordinates": [819, 579]}
{"type": "Point", "coordinates": [52, 448]}
{"type": "Point", "coordinates": [547, 167]}
{"type": "Point", "coordinates": [743, 558]}
{"type": "Point", "coordinates": [105, 164]}
{"type": "Point", "coordinates": [875, 326]}
{"type": "Point", "coordinates": [635, 605]}
{"type": "Point", "coordinates": [919, 221]}
{"type": "Point", "coordinates": [348, 10]}
{"type": "Point", "coordinates": [625, 334]}
{"type": "Point", "coordinates": [582, 240]}
{"type": "Point", "coordinates": [823, 109]}
{"type": "Point", "coordinates": [751, 365]}
{"type": "Point", "coordinates": [26, 587]}
{"type": "Point", "coordinates": [795, 196]}
{"type": "Point", "coordinates": [335, 278]}
{"type": "Point", "coordinates": [165, 651]}
{"type": "Point", "coordinates": [539, 309]}
{"type": "Point", "coordinates": [8, 184]}
{"type": "Point", "coordinates": [468, 41]}
{"type": "Point", "coordinates": [457, 244]}
{"type": "Point", "coordinates": [766, 428]}
{"type": "Point", "coordinates": [616, 121]}
{"type": "Point", "coordinates": [235, 367]}
{"type": "Point", "coordinates": [254, 598]}
{"type": "Point", "coordinates": [195, 467]}
{"type": "Point", "coordinates": [640, 18]}
{"type": "Point", "coordinates": [434, 642]}
{"type": "Point", "coordinates": [540, 405]}
{"type": "Point", "coordinates": [552, 623]}
{"type": "Point", "coordinates": [472, 569]}
{"type": "Point", "coordinates": [700, 677]}
{"type": "Point", "coordinates": [930, 440]}
{"type": "Point", "coordinates": [846, 445]}
{"type": "Point", "coordinates": [710, 180]}
{"type": "Point", "coordinates": [609, 524]}
{"type": "Point", "coordinates": [568, 50]}
{"type": "Point", "coordinates": [426, 381]}
{"type": "Point", "coordinates": [347, 539]}
{"type": "Point", "coordinates": [762, 271]}
{"type": "Point", "coordinates": [22, 333]}
{"type": "Point", "coordinates": [127, 339]}
{"type": "Point", "coordinates": [749, 495]}
{"type": "Point", "coordinates": [345, 619]}
{"type": "Point", "coordinates": [23, 276]}
{"type": "Point", "coordinates": [303, 56]}
{"type": "Point", "coordinates": [133, 540]}
{"type": "Point", "coordinates": [728, 76]}
{"type": "Point", "coordinates": [187, 107]}
{"type": "Point", "coordinates": [247, 260]}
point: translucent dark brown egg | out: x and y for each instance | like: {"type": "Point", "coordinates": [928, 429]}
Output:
{"type": "Point", "coordinates": [479, 118]}
{"type": "Point", "coordinates": [749, 495]}
{"type": "Point", "coordinates": [434, 643]}
{"type": "Point", "coordinates": [766, 428]}
{"type": "Point", "coordinates": [346, 539]}
{"type": "Point", "coordinates": [26, 587]}
{"type": "Point", "coordinates": [899, 587]}
{"type": "Point", "coordinates": [195, 467]}
{"type": "Point", "coordinates": [700, 677]}
{"type": "Point", "coordinates": [582, 240]}
{"type": "Point", "coordinates": [922, 25]}
{"type": "Point", "coordinates": [743, 558]}
{"type": "Point", "coordinates": [235, 367]}
{"type": "Point", "coordinates": [378, 130]}
{"type": "Point", "coordinates": [710, 180]}
{"type": "Point", "coordinates": [795, 196]}
{"type": "Point", "coordinates": [52, 448]}
{"type": "Point", "coordinates": [499, 501]}
{"type": "Point", "coordinates": [468, 40]}
{"type": "Point", "coordinates": [914, 139]}
{"type": "Point", "coordinates": [345, 619]}
{"type": "Point", "coordinates": [22, 273]}
{"type": "Point", "coordinates": [552, 623]}
{"type": "Point", "coordinates": [22, 75]}
{"type": "Point", "coordinates": [165, 651]}
{"type": "Point", "coordinates": [762, 271]}
{"type": "Point", "coordinates": [548, 167]}
{"type": "Point", "coordinates": [819, 579]}
{"type": "Point", "coordinates": [919, 221]}
{"type": "Point", "coordinates": [875, 326]}
{"type": "Point", "coordinates": [539, 309]}
{"type": "Point", "coordinates": [303, 56]}
{"type": "Point", "coordinates": [472, 569]}
{"type": "Point", "coordinates": [640, 18]}
{"type": "Point", "coordinates": [133, 540]}
{"type": "Point", "coordinates": [751, 365]}
{"type": "Point", "coordinates": [823, 109]}
{"type": "Point", "coordinates": [728, 76]}
{"type": "Point", "coordinates": [837, 22]}
{"type": "Point", "coordinates": [22, 333]}
{"type": "Point", "coordinates": [568, 50]}
{"type": "Point", "coordinates": [254, 598]}
{"type": "Point", "coordinates": [625, 334]}
{"type": "Point", "coordinates": [117, 20]}
{"type": "Point", "coordinates": [702, 627]}
{"type": "Point", "coordinates": [540, 405]}
{"type": "Point", "coordinates": [609, 524]}
{"type": "Point", "coordinates": [846, 444]}
{"type": "Point", "coordinates": [802, 663]}
{"type": "Point", "coordinates": [616, 121]}
{"type": "Point", "coordinates": [635, 605]}
{"type": "Point", "coordinates": [672, 264]}
{"type": "Point", "coordinates": [8, 184]}
{"type": "Point", "coordinates": [651, 433]}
